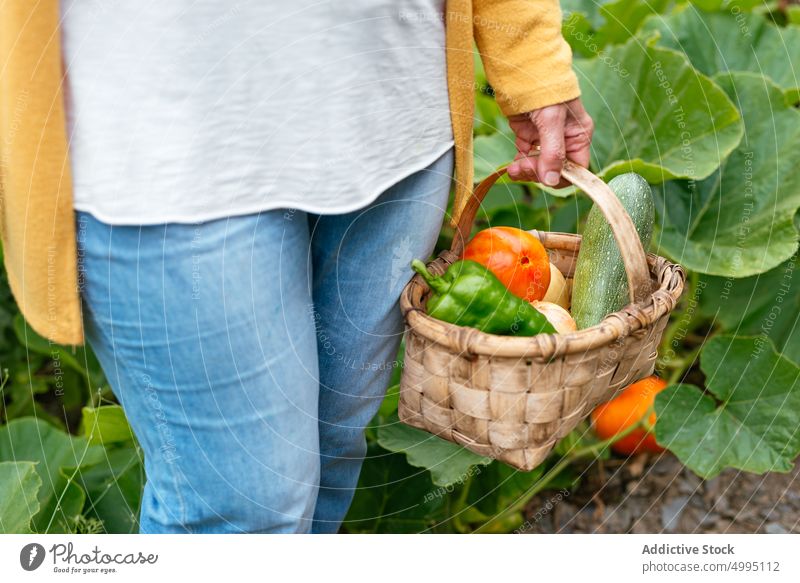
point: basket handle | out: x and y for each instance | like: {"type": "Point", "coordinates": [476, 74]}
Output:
{"type": "Point", "coordinates": [633, 255]}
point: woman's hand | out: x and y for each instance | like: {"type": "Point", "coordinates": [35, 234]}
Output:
{"type": "Point", "coordinates": [561, 131]}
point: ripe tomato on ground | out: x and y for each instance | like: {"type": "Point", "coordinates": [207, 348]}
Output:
{"type": "Point", "coordinates": [516, 257]}
{"type": "Point", "coordinates": [626, 409]}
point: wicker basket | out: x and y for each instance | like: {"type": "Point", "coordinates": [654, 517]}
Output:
{"type": "Point", "coordinates": [513, 398]}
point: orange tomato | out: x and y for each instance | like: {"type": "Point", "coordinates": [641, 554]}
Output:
{"type": "Point", "coordinates": [626, 409]}
{"type": "Point", "coordinates": [516, 257]}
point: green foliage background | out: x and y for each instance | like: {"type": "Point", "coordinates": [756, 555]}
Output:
{"type": "Point", "coordinates": [700, 98]}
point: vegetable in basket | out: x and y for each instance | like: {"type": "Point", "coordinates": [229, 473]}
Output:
{"type": "Point", "coordinates": [558, 290]}
{"type": "Point", "coordinates": [557, 316]}
{"type": "Point", "coordinates": [600, 284]}
{"type": "Point", "coordinates": [515, 257]}
{"type": "Point", "coordinates": [468, 294]}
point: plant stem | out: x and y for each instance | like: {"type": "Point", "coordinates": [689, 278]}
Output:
{"type": "Point", "coordinates": [433, 281]}
{"type": "Point", "coordinates": [685, 364]}
{"type": "Point", "coordinates": [645, 420]}
{"type": "Point", "coordinates": [461, 501]}
{"type": "Point", "coordinates": [678, 324]}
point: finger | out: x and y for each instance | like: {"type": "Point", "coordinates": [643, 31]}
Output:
{"type": "Point", "coordinates": [550, 123]}
{"type": "Point", "coordinates": [525, 143]}
{"type": "Point", "coordinates": [525, 132]}
{"type": "Point", "coordinates": [578, 149]}
{"type": "Point", "coordinates": [523, 168]}
{"type": "Point", "coordinates": [578, 134]}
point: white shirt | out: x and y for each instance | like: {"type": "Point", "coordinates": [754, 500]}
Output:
{"type": "Point", "coordinates": [184, 111]}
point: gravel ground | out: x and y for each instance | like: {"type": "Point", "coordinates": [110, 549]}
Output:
{"type": "Point", "coordinates": [654, 495]}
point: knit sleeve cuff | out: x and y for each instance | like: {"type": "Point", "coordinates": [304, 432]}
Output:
{"type": "Point", "coordinates": [539, 95]}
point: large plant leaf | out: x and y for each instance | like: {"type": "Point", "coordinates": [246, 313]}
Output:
{"type": "Point", "coordinates": [730, 5]}
{"type": "Point", "coordinates": [590, 25]}
{"type": "Point", "coordinates": [793, 14]}
{"type": "Point", "coordinates": [393, 497]}
{"type": "Point", "coordinates": [64, 507]}
{"type": "Point", "coordinates": [740, 221]}
{"type": "Point", "coordinates": [768, 304]}
{"type": "Point", "coordinates": [80, 359]}
{"type": "Point", "coordinates": [495, 488]}
{"type": "Point", "coordinates": [750, 417]}
{"type": "Point", "coordinates": [488, 116]}
{"type": "Point", "coordinates": [501, 196]}
{"type": "Point", "coordinates": [106, 425]}
{"type": "Point", "coordinates": [37, 343]}
{"type": "Point", "coordinates": [578, 29]}
{"type": "Point", "coordinates": [114, 490]}
{"type": "Point", "coordinates": [624, 17]}
{"type": "Point", "coordinates": [591, 9]}
{"type": "Point", "coordinates": [57, 453]}
{"type": "Point", "coordinates": [20, 485]}
{"type": "Point", "coordinates": [723, 42]}
{"type": "Point", "coordinates": [492, 151]}
{"type": "Point", "coordinates": [656, 115]}
{"type": "Point", "coordinates": [447, 462]}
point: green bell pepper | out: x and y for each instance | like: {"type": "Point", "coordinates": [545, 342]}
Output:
{"type": "Point", "coordinates": [468, 294]}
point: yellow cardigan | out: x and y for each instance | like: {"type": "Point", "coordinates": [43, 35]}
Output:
{"type": "Point", "coordinates": [526, 61]}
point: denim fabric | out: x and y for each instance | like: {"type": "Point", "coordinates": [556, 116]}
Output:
{"type": "Point", "coordinates": [250, 352]}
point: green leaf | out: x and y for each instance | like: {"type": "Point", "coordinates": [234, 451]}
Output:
{"type": "Point", "coordinates": [62, 515]}
{"type": "Point", "coordinates": [591, 9]}
{"type": "Point", "coordinates": [656, 115]}
{"type": "Point", "coordinates": [624, 17]}
{"type": "Point", "coordinates": [580, 437]}
{"type": "Point", "coordinates": [497, 487]}
{"type": "Point", "coordinates": [488, 116]}
{"type": "Point", "coordinates": [480, 73]}
{"type": "Point", "coordinates": [80, 359]}
{"type": "Point", "coordinates": [569, 215]}
{"type": "Point", "coordinates": [448, 462]}
{"type": "Point", "coordinates": [57, 454]}
{"type": "Point", "coordinates": [388, 406]}
{"type": "Point", "coordinates": [114, 490]}
{"type": "Point", "coordinates": [507, 205]}
{"type": "Point", "coordinates": [501, 196]}
{"type": "Point", "coordinates": [38, 344]}
{"type": "Point", "coordinates": [740, 221]}
{"type": "Point", "coordinates": [393, 497]}
{"type": "Point", "coordinates": [579, 32]}
{"type": "Point", "coordinates": [793, 14]}
{"type": "Point", "coordinates": [520, 217]}
{"type": "Point", "coordinates": [105, 425]}
{"type": "Point", "coordinates": [590, 25]}
{"type": "Point", "coordinates": [726, 42]}
{"type": "Point", "coordinates": [729, 5]}
{"type": "Point", "coordinates": [768, 304]}
{"type": "Point", "coordinates": [491, 152]}
{"type": "Point", "coordinates": [507, 484]}
{"type": "Point", "coordinates": [20, 485]}
{"type": "Point", "coordinates": [749, 418]}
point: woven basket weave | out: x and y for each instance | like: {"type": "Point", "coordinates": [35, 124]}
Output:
{"type": "Point", "coordinates": [513, 398]}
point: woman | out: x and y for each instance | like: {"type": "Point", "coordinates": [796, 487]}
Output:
{"type": "Point", "coordinates": [224, 200]}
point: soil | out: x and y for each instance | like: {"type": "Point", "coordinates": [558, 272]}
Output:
{"type": "Point", "coordinates": [659, 495]}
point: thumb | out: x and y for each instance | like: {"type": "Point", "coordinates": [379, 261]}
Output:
{"type": "Point", "coordinates": [550, 123]}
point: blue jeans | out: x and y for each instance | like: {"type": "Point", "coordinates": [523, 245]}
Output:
{"type": "Point", "coordinates": [250, 352]}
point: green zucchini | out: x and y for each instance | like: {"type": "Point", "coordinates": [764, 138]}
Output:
{"type": "Point", "coordinates": [600, 285]}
